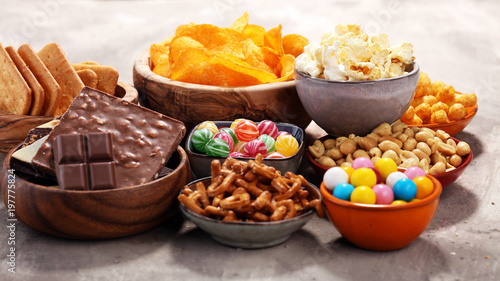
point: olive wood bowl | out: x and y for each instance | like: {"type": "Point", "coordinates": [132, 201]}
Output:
{"type": "Point", "coordinates": [95, 214]}
{"type": "Point", "coordinates": [15, 128]}
{"type": "Point", "coordinates": [194, 103]}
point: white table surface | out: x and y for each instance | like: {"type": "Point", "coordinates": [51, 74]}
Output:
{"type": "Point", "coordinates": [454, 41]}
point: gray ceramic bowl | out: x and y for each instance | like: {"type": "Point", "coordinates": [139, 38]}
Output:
{"type": "Point", "coordinates": [357, 107]}
{"type": "Point", "coordinates": [250, 235]}
{"type": "Point", "coordinates": [200, 163]}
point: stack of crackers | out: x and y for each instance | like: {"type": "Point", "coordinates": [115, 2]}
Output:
{"type": "Point", "coordinates": [45, 83]}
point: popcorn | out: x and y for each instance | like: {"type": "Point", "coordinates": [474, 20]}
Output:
{"type": "Point", "coordinates": [348, 54]}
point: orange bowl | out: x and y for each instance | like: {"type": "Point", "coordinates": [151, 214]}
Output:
{"type": "Point", "coordinates": [381, 227]}
{"type": "Point", "coordinates": [453, 127]}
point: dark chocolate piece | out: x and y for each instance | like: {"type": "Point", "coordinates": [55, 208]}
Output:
{"type": "Point", "coordinates": [84, 162]}
{"type": "Point", "coordinates": [143, 139]}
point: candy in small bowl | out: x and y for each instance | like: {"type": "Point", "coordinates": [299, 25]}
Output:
{"type": "Point", "coordinates": [282, 144]}
{"type": "Point", "coordinates": [377, 207]}
{"type": "Point", "coordinates": [248, 204]}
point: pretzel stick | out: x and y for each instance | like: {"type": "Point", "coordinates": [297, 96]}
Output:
{"type": "Point", "coordinates": [190, 204]}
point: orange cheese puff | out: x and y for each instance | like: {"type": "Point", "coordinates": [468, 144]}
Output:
{"type": "Point", "coordinates": [424, 86]}
{"type": "Point", "coordinates": [408, 115]}
{"type": "Point", "coordinates": [439, 106]}
{"type": "Point", "coordinates": [457, 111]}
{"type": "Point", "coordinates": [466, 100]}
{"type": "Point", "coordinates": [439, 117]}
{"type": "Point", "coordinates": [430, 100]}
{"type": "Point", "coordinates": [423, 111]}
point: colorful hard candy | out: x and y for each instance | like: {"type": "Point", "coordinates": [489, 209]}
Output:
{"type": "Point", "coordinates": [255, 147]}
{"type": "Point", "coordinates": [235, 122]}
{"type": "Point", "coordinates": [246, 130]}
{"type": "Point", "coordinates": [269, 142]}
{"type": "Point", "coordinates": [268, 127]}
{"type": "Point", "coordinates": [200, 138]}
{"type": "Point", "coordinates": [287, 145]}
{"type": "Point", "coordinates": [209, 125]}
{"type": "Point", "coordinates": [282, 133]}
{"type": "Point", "coordinates": [275, 155]}
{"type": "Point", "coordinates": [217, 147]}
{"type": "Point", "coordinates": [240, 146]}
{"type": "Point", "coordinates": [235, 154]}
{"type": "Point", "coordinates": [226, 137]}
{"type": "Point", "coordinates": [230, 132]}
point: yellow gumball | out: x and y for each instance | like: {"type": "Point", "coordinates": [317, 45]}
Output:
{"type": "Point", "coordinates": [398, 202]}
{"type": "Point", "coordinates": [363, 194]}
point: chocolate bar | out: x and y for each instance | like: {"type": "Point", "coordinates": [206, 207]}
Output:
{"type": "Point", "coordinates": [84, 162]}
{"type": "Point", "coordinates": [143, 140]}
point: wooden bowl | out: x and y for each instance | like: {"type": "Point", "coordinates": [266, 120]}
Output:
{"type": "Point", "coordinates": [453, 127]}
{"type": "Point", "coordinates": [15, 128]}
{"type": "Point", "coordinates": [445, 178]}
{"type": "Point", "coordinates": [96, 214]}
{"type": "Point", "coordinates": [193, 103]}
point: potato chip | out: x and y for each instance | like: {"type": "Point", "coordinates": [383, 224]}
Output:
{"type": "Point", "coordinates": [181, 43]}
{"type": "Point", "coordinates": [294, 44]}
{"type": "Point", "coordinates": [256, 33]}
{"type": "Point", "coordinates": [272, 59]}
{"type": "Point", "coordinates": [240, 24]}
{"type": "Point", "coordinates": [287, 67]}
{"type": "Point", "coordinates": [272, 39]}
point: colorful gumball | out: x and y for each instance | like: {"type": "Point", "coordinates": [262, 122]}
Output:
{"type": "Point", "coordinates": [405, 189]}
{"type": "Point", "coordinates": [392, 178]}
{"type": "Point", "coordinates": [240, 146]}
{"type": "Point", "coordinates": [398, 202]}
{"type": "Point", "coordinates": [217, 147]}
{"type": "Point", "coordinates": [343, 191]}
{"type": "Point", "coordinates": [230, 132]}
{"type": "Point", "coordinates": [268, 127]}
{"type": "Point", "coordinates": [269, 142]}
{"type": "Point", "coordinates": [287, 145]}
{"type": "Point", "coordinates": [246, 130]}
{"type": "Point", "coordinates": [413, 172]}
{"type": "Point", "coordinates": [200, 138]}
{"type": "Point", "coordinates": [363, 194]}
{"type": "Point", "coordinates": [275, 155]}
{"type": "Point", "coordinates": [424, 187]}
{"type": "Point", "coordinates": [383, 194]}
{"type": "Point", "coordinates": [235, 122]}
{"type": "Point", "coordinates": [235, 154]}
{"type": "Point", "coordinates": [349, 170]}
{"type": "Point", "coordinates": [385, 166]}
{"type": "Point", "coordinates": [227, 138]}
{"type": "Point", "coordinates": [209, 125]}
{"type": "Point", "coordinates": [255, 147]}
{"type": "Point", "coordinates": [379, 177]}
{"type": "Point", "coordinates": [335, 176]}
{"type": "Point", "coordinates": [362, 162]}
{"type": "Point", "coordinates": [363, 176]}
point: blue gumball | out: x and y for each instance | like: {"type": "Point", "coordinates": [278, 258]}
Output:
{"type": "Point", "coordinates": [405, 189]}
{"type": "Point", "coordinates": [343, 191]}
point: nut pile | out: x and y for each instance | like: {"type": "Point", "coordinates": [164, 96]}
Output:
{"type": "Point", "coordinates": [433, 151]}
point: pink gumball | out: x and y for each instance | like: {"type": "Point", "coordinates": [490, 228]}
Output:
{"type": "Point", "coordinates": [362, 162]}
{"type": "Point", "coordinates": [413, 172]}
{"type": "Point", "coordinates": [255, 147]}
{"type": "Point", "coordinates": [268, 127]}
{"type": "Point", "coordinates": [275, 155]}
{"type": "Point", "coordinates": [227, 137]}
{"type": "Point", "coordinates": [383, 194]}
{"type": "Point", "coordinates": [235, 154]}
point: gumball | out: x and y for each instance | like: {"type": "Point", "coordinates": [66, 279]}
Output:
{"type": "Point", "coordinates": [255, 147]}
{"type": "Point", "coordinates": [275, 155]}
{"type": "Point", "coordinates": [363, 194]}
{"type": "Point", "coordinates": [413, 172]}
{"type": "Point", "coordinates": [268, 127]}
{"type": "Point", "coordinates": [200, 138]}
{"type": "Point", "coordinates": [240, 146]}
{"type": "Point", "coordinates": [235, 122]}
{"type": "Point", "coordinates": [424, 187]}
{"type": "Point", "coordinates": [362, 162]}
{"type": "Point", "coordinates": [348, 170]}
{"type": "Point", "coordinates": [287, 145]}
{"type": "Point", "coordinates": [334, 176]}
{"type": "Point", "coordinates": [385, 166]}
{"type": "Point", "coordinates": [392, 178]}
{"type": "Point", "coordinates": [383, 193]}
{"type": "Point", "coordinates": [269, 142]}
{"type": "Point", "coordinates": [227, 138]}
{"type": "Point", "coordinates": [230, 132]}
{"type": "Point", "coordinates": [363, 176]}
{"type": "Point", "coordinates": [235, 154]}
{"type": "Point", "coordinates": [246, 130]}
{"type": "Point", "coordinates": [415, 199]}
{"type": "Point", "coordinates": [209, 125]}
{"type": "Point", "coordinates": [343, 191]}
{"type": "Point", "coordinates": [398, 202]}
{"type": "Point", "coordinates": [282, 133]}
{"type": "Point", "coordinates": [217, 147]}
{"type": "Point", "coordinates": [405, 189]}
{"type": "Point", "coordinates": [379, 177]}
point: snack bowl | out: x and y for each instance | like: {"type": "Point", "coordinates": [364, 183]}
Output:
{"type": "Point", "coordinates": [94, 214]}
{"type": "Point", "coordinates": [453, 127]}
{"type": "Point", "coordinates": [194, 103]}
{"type": "Point", "coordinates": [200, 163]}
{"type": "Point", "coordinates": [445, 178]}
{"type": "Point", "coordinates": [14, 128]}
{"type": "Point", "coordinates": [381, 227]}
{"type": "Point", "coordinates": [250, 235]}
{"type": "Point", "coordinates": [356, 107]}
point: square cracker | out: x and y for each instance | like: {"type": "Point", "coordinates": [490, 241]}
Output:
{"type": "Point", "coordinates": [37, 94]}
{"type": "Point", "coordinates": [50, 87]}
{"type": "Point", "coordinates": [15, 94]}
{"type": "Point", "coordinates": [89, 77]}
{"type": "Point", "coordinates": [59, 66]}
{"type": "Point", "coordinates": [107, 75]}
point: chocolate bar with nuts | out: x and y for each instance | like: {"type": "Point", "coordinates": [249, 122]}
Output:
{"type": "Point", "coordinates": [143, 140]}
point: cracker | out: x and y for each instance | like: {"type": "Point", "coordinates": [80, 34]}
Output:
{"type": "Point", "coordinates": [89, 77]}
{"type": "Point", "coordinates": [37, 94]}
{"type": "Point", "coordinates": [89, 62]}
{"type": "Point", "coordinates": [59, 66]}
{"type": "Point", "coordinates": [107, 75]}
{"type": "Point", "coordinates": [15, 94]}
{"type": "Point", "coordinates": [50, 87]}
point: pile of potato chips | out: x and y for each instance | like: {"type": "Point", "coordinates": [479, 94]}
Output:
{"type": "Point", "coordinates": [241, 55]}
